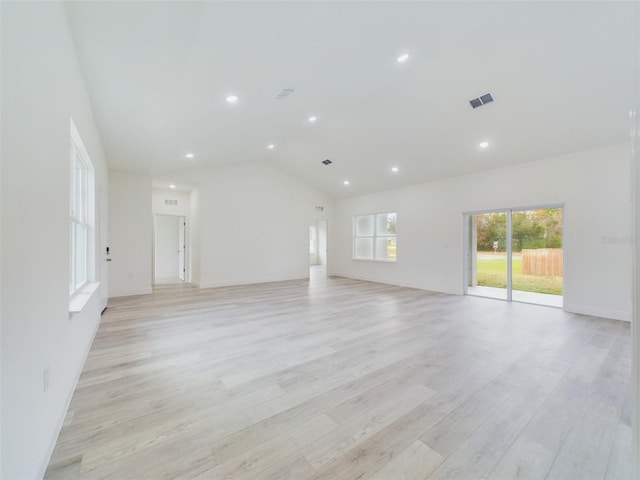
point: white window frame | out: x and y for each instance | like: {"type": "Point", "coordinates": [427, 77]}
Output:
{"type": "Point", "coordinates": [374, 237]}
{"type": "Point", "coordinates": [81, 215]}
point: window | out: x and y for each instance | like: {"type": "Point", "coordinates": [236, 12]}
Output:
{"type": "Point", "coordinates": [375, 237]}
{"type": "Point", "coordinates": [81, 215]}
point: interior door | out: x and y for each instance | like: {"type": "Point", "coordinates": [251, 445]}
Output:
{"type": "Point", "coordinates": [182, 226]}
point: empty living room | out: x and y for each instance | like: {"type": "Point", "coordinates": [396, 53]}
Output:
{"type": "Point", "coordinates": [319, 240]}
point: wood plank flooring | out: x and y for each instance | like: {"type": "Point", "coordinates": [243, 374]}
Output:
{"type": "Point", "coordinates": [343, 379]}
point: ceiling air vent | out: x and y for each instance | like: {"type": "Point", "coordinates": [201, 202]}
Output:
{"type": "Point", "coordinates": [284, 93]}
{"type": "Point", "coordinates": [483, 100]}
{"type": "Point", "coordinates": [327, 162]}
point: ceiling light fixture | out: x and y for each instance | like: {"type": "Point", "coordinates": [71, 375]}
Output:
{"type": "Point", "coordinates": [313, 119]}
{"type": "Point", "coordinates": [189, 155]}
{"type": "Point", "coordinates": [346, 182]}
{"type": "Point", "coordinates": [483, 144]}
{"type": "Point", "coordinates": [232, 99]}
{"type": "Point", "coordinates": [271, 146]}
{"type": "Point", "coordinates": [394, 169]}
{"type": "Point", "coordinates": [172, 186]}
{"type": "Point", "coordinates": [403, 58]}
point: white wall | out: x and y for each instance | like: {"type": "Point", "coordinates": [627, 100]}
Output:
{"type": "Point", "coordinates": [159, 195]}
{"type": "Point", "coordinates": [130, 234]}
{"type": "Point", "coordinates": [322, 242]}
{"type": "Point", "coordinates": [194, 237]}
{"type": "Point", "coordinates": [42, 87]}
{"type": "Point", "coordinates": [252, 224]}
{"type": "Point", "coordinates": [593, 185]}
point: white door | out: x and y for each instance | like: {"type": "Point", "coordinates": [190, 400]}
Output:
{"type": "Point", "coordinates": [182, 247]}
{"type": "Point", "coordinates": [167, 247]}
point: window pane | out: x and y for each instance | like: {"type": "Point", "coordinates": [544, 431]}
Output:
{"type": "Point", "coordinates": [80, 254]}
{"type": "Point", "coordinates": [364, 248]}
{"type": "Point", "coordinates": [364, 226]}
{"type": "Point", "coordinates": [386, 224]}
{"type": "Point", "coordinates": [386, 248]}
{"type": "Point", "coordinates": [77, 201]}
{"type": "Point", "coordinates": [81, 191]}
{"type": "Point", "coordinates": [72, 262]}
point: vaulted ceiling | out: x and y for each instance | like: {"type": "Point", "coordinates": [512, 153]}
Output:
{"type": "Point", "coordinates": [159, 73]}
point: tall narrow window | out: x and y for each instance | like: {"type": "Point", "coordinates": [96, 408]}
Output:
{"type": "Point", "coordinates": [80, 215]}
{"type": "Point", "coordinates": [375, 237]}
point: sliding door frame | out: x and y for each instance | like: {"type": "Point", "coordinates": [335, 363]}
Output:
{"type": "Point", "coordinates": [466, 254]}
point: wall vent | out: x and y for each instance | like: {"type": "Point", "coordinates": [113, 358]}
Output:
{"type": "Point", "coordinates": [319, 209]}
{"type": "Point", "coordinates": [327, 162]}
{"type": "Point", "coordinates": [284, 93]}
{"type": "Point", "coordinates": [480, 101]}
{"type": "Point", "coordinates": [172, 203]}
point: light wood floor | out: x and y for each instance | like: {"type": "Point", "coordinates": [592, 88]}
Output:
{"type": "Point", "coordinates": [341, 379]}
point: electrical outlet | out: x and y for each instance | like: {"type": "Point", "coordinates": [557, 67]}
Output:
{"type": "Point", "coordinates": [46, 379]}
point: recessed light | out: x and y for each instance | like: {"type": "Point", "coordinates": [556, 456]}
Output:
{"type": "Point", "coordinates": [394, 169]}
{"type": "Point", "coordinates": [346, 182]}
{"type": "Point", "coordinates": [271, 146]}
{"type": "Point", "coordinates": [403, 58]}
{"type": "Point", "coordinates": [313, 119]}
{"type": "Point", "coordinates": [172, 186]}
{"type": "Point", "coordinates": [483, 144]}
{"type": "Point", "coordinates": [189, 155]}
{"type": "Point", "coordinates": [232, 98]}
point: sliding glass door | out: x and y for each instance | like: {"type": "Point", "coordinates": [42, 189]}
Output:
{"type": "Point", "coordinates": [515, 254]}
{"type": "Point", "coordinates": [487, 272]}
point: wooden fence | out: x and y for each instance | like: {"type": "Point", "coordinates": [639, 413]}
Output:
{"type": "Point", "coordinates": [542, 261]}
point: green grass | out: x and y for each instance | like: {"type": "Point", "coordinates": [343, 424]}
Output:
{"type": "Point", "coordinates": [493, 273]}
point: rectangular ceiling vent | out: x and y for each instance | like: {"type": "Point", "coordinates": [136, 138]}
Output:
{"type": "Point", "coordinates": [327, 162]}
{"type": "Point", "coordinates": [284, 93]}
{"type": "Point", "coordinates": [172, 203]}
{"type": "Point", "coordinates": [480, 101]}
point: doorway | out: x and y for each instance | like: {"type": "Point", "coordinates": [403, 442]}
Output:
{"type": "Point", "coordinates": [515, 254]}
{"type": "Point", "coordinates": [318, 249]}
{"type": "Point", "coordinates": [169, 249]}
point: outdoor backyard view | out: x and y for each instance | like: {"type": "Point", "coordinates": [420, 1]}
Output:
{"type": "Point", "coordinates": [536, 250]}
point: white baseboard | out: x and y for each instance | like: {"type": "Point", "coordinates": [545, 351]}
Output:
{"type": "Point", "coordinates": [613, 314]}
{"type": "Point", "coordinates": [253, 281]}
{"type": "Point", "coordinates": [128, 293]}
{"type": "Point", "coordinates": [58, 429]}
{"type": "Point", "coordinates": [610, 313]}
{"type": "Point", "coordinates": [400, 284]}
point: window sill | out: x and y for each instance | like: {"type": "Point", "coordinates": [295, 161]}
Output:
{"type": "Point", "coordinates": [373, 260]}
{"type": "Point", "coordinates": [80, 299]}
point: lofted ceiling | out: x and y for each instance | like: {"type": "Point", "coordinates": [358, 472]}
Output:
{"type": "Point", "coordinates": [158, 74]}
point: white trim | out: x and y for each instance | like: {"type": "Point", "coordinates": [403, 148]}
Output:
{"type": "Point", "coordinates": [399, 284]}
{"type": "Point", "coordinates": [251, 282]}
{"type": "Point", "coordinates": [81, 297]}
{"type": "Point", "coordinates": [542, 206]}
{"type": "Point", "coordinates": [466, 216]}
{"type": "Point", "coordinates": [610, 313]}
{"type": "Point", "coordinates": [129, 293]}
{"type": "Point", "coordinates": [54, 439]}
